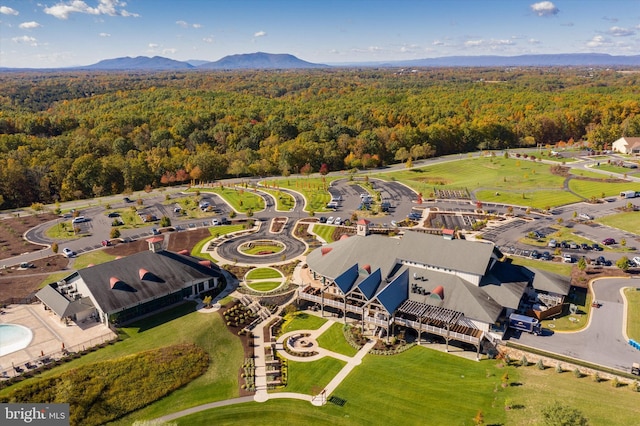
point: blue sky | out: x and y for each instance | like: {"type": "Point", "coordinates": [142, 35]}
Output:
{"type": "Point", "coordinates": [59, 33]}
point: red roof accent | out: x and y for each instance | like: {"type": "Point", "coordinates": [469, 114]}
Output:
{"type": "Point", "coordinates": [363, 222]}
{"type": "Point", "coordinates": [90, 265]}
{"type": "Point", "coordinates": [113, 281]}
{"type": "Point", "coordinates": [184, 252]}
{"type": "Point", "coordinates": [206, 263]}
{"type": "Point", "coordinates": [367, 268]}
{"type": "Point", "coordinates": [155, 240]}
{"type": "Point", "coordinates": [325, 250]}
{"type": "Point", "coordinates": [344, 236]}
{"type": "Point", "coordinates": [119, 257]}
{"type": "Point", "coordinates": [142, 272]}
{"type": "Point", "coordinates": [438, 291]}
{"type": "Point", "coordinates": [448, 231]}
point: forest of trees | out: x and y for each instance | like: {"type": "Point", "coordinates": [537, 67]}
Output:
{"type": "Point", "coordinates": [69, 135]}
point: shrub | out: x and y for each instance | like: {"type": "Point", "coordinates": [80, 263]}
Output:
{"type": "Point", "coordinates": [524, 361]}
{"type": "Point", "coordinates": [597, 378]}
{"type": "Point", "coordinates": [577, 373]}
{"type": "Point", "coordinates": [115, 233]}
{"type": "Point", "coordinates": [559, 368]}
{"type": "Point", "coordinates": [540, 364]}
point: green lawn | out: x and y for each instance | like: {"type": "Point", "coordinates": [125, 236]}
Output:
{"type": "Point", "coordinates": [311, 377]}
{"type": "Point", "coordinates": [94, 257]}
{"type": "Point", "coordinates": [333, 340]}
{"type": "Point", "coordinates": [284, 200]}
{"type": "Point", "coordinates": [324, 231]}
{"type": "Point", "coordinates": [314, 189]}
{"type": "Point", "coordinates": [421, 386]}
{"type": "Point", "coordinates": [555, 267]}
{"type": "Point", "coordinates": [539, 199]}
{"type": "Point", "coordinates": [240, 199]}
{"type": "Point", "coordinates": [633, 311]}
{"type": "Point", "coordinates": [588, 189]}
{"type": "Point", "coordinates": [264, 285]}
{"type": "Point", "coordinates": [257, 249]}
{"type": "Point", "coordinates": [262, 273]}
{"type": "Point", "coordinates": [615, 169]}
{"type": "Point", "coordinates": [572, 322]}
{"type": "Point", "coordinates": [215, 231]}
{"type": "Point", "coordinates": [177, 325]}
{"type": "Point", "coordinates": [55, 277]}
{"type": "Point", "coordinates": [629, 221]}
{"type": "Point", "coordinates": [61, 230]}
{"type": "Point", "coordinates": [301, 321]}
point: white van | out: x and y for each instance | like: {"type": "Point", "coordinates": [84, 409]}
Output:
{"type": "Point", "coordinates": [78, 219]}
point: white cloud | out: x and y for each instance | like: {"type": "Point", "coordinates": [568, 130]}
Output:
{"type": "Point", "coordinates": [62, 10]}
{"type": "Point", "coordinates": [196, 26]}
{"type": "Point", "coordinates": [260, 34]}
{"type": "Point", "coordinates": [544, 8]}
{"type": "Point", "coordinates": [598, 41]}
{"type": "Point", "coordinates": [153, 45]}
{"type": "Point", "coordinates": [183, 24]}
{"type": "Point", "coordinates": [472, 43]}
{"type": "Point", "coordinates": [25, 40]}
{"type": "Point", "coordinates": [208, 39]}
{"type": "Point", "coordinates": [620, 32]}
{"type": "Point", "coordinates": [104, 35]}
{"type": "Point", "coordinates": [6, 10]}
{"type": "Point", "coordinates": [169, 51]}
{"type": "Point", "coordinates": [533, 41]}
{"type": "Point", "coordinates": [29, 25]}
{"type": "Point", "coordinates": [438, 43]}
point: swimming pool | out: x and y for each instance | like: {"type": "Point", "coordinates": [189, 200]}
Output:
{"type": "Point", "coordinates": [14, 337]}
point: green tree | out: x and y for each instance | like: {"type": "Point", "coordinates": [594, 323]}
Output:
{"type": "Point", "coordinates": [623, 263]}
{"type": "Point", "coordinates": [557, 414]}
{"type": "Point", "coordinates": [115, 233]}
{"type": "Point", "coordinates": [54, 247]}
{"type": "Point", "coordinates": [165, 221]}
{"type": "Point", "coordinates": [582, 264]}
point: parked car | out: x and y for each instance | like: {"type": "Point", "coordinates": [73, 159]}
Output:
{"type": "Point", "coordinates": [105, 243]}
{"type": "Point", "coordinates": [608, 241]}
{"type": "Point", "coordinates": [585, 246]}
{"type": "Point", "coordinates": [215, 222]}
{"type": "Point", "coordinates": [585, 216]}
{"type": "Point", "coordinates": [535, 254]}
{"type": "Point", "coordinates": [565, 244]}
{"type": "Point", "coordinates": [552, 243]}
{"type": "Point", "coordinates": [155, 231]}
{"type": "Point", "coordinates": [546, 256]}
{"type": "Point", "coordinates": [113, 214]}
{"type": "Point", "coordinates": [27, 265]}
{"type": "Point", "coordinates": [636, 260]}
{"type": "Point", "coordinates": [78, 219]}
{"type": "Point", "coordinates": [225, 221]}
{"type": "Point", "coordinates": [67, 252]}
{"type": "Point", "coordinates": [322, 219]}
{"type": "Point", "coordinates": [127, 200]}
{"type": "Point", "coordinates": [330, 220]}
{"type": "Point", "coordinates": [596, 247]}
{"type": "Point", "coordinates": [573, 245]}
{"type": "Point", "coordinates": [338, 221]}
{"type": "Point", "coordinates": [567, 258]}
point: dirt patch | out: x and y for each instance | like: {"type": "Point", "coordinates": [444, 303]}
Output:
{"type": "Point", "coordinates": [581, 278]}
{"type": "Point", "coordinates": [186, 240]}
{"type": "Point", "coordinates": [12, 230]}
{"type": "Point", "coordinates": [19, 284]}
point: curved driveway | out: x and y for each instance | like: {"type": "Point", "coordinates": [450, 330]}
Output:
{"type": "Point", "coordinates": [603, 342]}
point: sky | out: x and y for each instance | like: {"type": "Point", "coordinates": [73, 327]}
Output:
{"type": "Point", "coordinates": [64, 33]}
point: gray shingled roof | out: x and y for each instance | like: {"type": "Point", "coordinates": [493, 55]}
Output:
{"type": "Point", "coordinates": [170, 271]}
{"type": "Point", "coordinates": [550, 282]}
{"type": "Point", "coordinates": [59, 304]}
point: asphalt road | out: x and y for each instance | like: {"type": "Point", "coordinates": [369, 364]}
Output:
{"type": "Point", "coordinates": [603, 342]}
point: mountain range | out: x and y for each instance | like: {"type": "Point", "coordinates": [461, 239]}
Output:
{"type": "Point", "coordinates": [261, 60]}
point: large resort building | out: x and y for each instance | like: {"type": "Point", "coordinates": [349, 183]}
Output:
{"type": "Point", "coordinates": [127, 288]}
{"type": "Point", "coordinates": [434, 284]}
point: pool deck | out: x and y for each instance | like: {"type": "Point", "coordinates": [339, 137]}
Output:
{"type": "Point", "coordinates": [50, 336]}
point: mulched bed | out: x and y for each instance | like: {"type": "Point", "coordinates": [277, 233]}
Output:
{"type": "Point", "coordinates": [11, 231]}
{"type": "Point", "coordinates": [16, 283]}
{"type": "Point", "coordinates": [247, 346]}
{"type": "Point", "coordinates": [581, 278]}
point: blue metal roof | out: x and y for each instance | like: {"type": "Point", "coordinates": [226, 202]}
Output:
{"type": "Point", "coordinates": [370, 285]}
{"type": "Point", "coordinates": [395, 293]}
{"type": "Point", "coordinates": [346, 280]}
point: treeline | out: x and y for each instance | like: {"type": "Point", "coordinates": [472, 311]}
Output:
{"type": "Point", "coordinates": [68, 135]}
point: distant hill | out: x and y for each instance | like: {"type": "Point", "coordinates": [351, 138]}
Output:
{"type": "Point", "coordinates": [260, 60]}
{"type": "Point", "coordinates": [140, 63]}
{"type": "Point", "coordinates": [565, 59]}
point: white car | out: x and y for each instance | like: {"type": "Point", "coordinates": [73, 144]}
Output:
{"type": "Point", "coordinates": [636, 260]}
{"type": "Point", "coordinates": [338, 221]}
{"type": "Point", "coordinates": [585, 216]}
{"type": "Point", "coordinates": [67, 252]}
{"type": "Point", "coordinates": [330, 220]}
{"type": "Point", "coordinates": [567, 258]}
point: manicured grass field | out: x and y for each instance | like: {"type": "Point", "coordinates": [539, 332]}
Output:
{"type": "Point", "coordinates": [264, 285]}
{"type": "Point", "coordinates": [633, 319]}
{"type": "Point", "coordinates": [61, 230]}
{"type": "Point", "coordinates": [333, 340]}
{"type": "Point", "coordinates": [595, 189]}
{"type": "Point", "coordinates": [314, 189]}
{"type": "Point", "coordinates": [324, 231]}
{"type": "Point", "coordinates": [629, 221]}
{"type": "Point", "coordinates": [302, 321]}
{"type": "Point", "coordinates": [542, 199]}
{"type": "Point", "coordinates": [263, 273]}
{"type": "Point", "coordinates": [215, 231]}
{"type": "Point", "coordinates": [615, 169]}
{"type": "Point", "coordinates": [572, 322]}
{"type": "Point", "coordinates": [422, 386]}
{"type": "Point", "coordinates": [284, 200]}
{"type": "Point", "coordinates": [54, 278]}
{"type": "Point", "coordinates": [257, 249]}
{"type": "Point", "coordinates": [240, 199]}
{"type": "Point", "coordinates": [95, 257]}
{"type": "Point", "coordinates": [555, 267]}
{"type": "Point", "coordinates": [310, 377]}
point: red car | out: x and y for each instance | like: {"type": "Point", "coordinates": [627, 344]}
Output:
{"type": "Point", "coordinates": [608, 241]}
